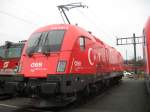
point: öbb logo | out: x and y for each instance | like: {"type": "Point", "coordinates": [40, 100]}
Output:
{"type": "Point", "coordinates": [91, 56]}
{"type": "Point", "coordinates": [36, 65]}
{"type": "Point", "coordinates": [5, 65]}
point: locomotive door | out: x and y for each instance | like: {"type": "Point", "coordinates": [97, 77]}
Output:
{"type": "Point", "coordinates": [84, 55]}
{"type": "Point", "coordinates": [79, 54]}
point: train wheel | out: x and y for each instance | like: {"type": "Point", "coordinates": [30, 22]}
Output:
{"type": "Point", "coordinates": [106, 83]}
{"type": "Point", "coordinates": [86, 91]}
{"type": "Point", "coordinates": [99, 86]}
{"type": "Point", "coordinates": [93, 89]}
{"type": "Point", "coordinates": [84, 95]}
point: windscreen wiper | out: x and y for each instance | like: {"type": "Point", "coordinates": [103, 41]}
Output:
{"type": "Point", "coordinates": [31, 50]}
{"type": "Point", "coordinates": [46, 50]}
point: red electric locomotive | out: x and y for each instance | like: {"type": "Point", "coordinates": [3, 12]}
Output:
{"type": "Point", "coordinates": [146, 53]}
{"type": "Point", "coordinates": [61, 60]}
{"type": "Point", "coordinates": [10, 54]}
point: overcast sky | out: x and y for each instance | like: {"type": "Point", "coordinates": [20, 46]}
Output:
{"type": "Point", "coordinates": [106, 19]}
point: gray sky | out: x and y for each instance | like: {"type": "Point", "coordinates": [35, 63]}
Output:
{"type": "Point", "coordinates": [107, 19]}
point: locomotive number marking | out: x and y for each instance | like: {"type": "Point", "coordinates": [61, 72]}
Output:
{"type": "Point", "coordinates": [59, 28]}
{"type": "Point", "coordinates": [5, 65]}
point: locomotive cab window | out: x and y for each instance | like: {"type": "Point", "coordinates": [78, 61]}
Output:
{"type": "Point", "coordinates": [82, 42]}
{"type": "Point", "coordinates": [45, 42]}
{"type": "Point", "coordinates": [54, 40]}
{"type": "Point", "coordinates": [2, 52]}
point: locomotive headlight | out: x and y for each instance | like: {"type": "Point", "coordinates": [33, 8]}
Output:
{"type": "Point", "coordinates": [61, 66]}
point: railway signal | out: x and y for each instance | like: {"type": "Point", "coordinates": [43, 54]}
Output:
{"type": "Point", "coordinates": [131, 41]}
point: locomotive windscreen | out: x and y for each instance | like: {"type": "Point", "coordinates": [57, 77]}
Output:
{"type": "Point", "coordinates": [45, 42]}
{"type": "Point", "coordinates": [2, 52]}
{"type": "Point", "coordinates": [14, 52]}
{"type": "Point", "coordinates": [11, 52]}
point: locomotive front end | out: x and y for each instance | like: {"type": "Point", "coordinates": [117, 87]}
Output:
{"type": "Point", "coordinates": [45, 63]}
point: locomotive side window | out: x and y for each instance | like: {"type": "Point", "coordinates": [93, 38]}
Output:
{"type": "Point", "coordinates": [82, 42]}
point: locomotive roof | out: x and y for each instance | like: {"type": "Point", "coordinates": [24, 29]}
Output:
{"type": "Point", "coordinates": [56, 27]}
{"type": "Point", "coordinates": [75, 31]}
{"type": "Point", "coordinates": [71, 35]}
{"type": "Point", "coordinates": [12, 44]}
{"type": "Point", "coordinates": [67, 27]}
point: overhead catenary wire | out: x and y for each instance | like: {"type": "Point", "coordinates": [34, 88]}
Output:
{"type": "Point", "coordinates": [14, 6]}
{"type": "Point", "coordinates": [16, 17]}
{"type": "Point", "coordinates": [92, 22]}
{"type": "Point", "coordinates": [5, 36]}
{"type": "Point", "coordinates": [28, 11]}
